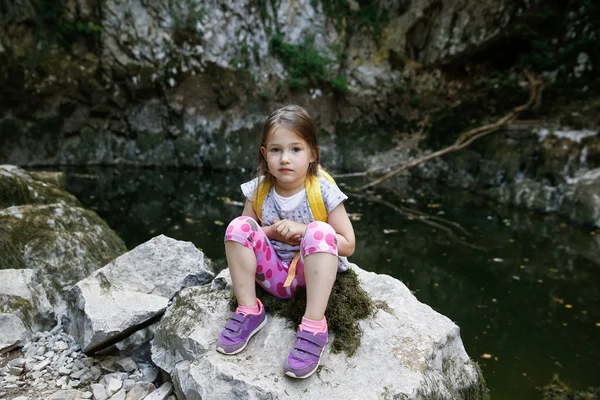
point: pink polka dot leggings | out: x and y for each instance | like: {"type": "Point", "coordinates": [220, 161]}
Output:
{"type": "Point", "coordinates": [271, 272]}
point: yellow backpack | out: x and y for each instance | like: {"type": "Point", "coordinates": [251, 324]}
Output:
{"type": "Point", "coordinates": [313, 193]}
{"type": "Point", "coordinates": [315, 201]}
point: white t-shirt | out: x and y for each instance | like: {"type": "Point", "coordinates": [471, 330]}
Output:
{"type": "Point", "coordinates": [289, 203]}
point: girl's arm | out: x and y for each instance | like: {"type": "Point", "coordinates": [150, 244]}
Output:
{"type": "Point", "coordinates": [249, 211]}
{"type": "Point", "coordinates": [338, 219]}
{"type": "Point", "coordinates": [270, 230]}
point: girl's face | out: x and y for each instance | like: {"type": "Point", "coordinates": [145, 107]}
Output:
{"type": "Point", "coordinates": [288, 156]}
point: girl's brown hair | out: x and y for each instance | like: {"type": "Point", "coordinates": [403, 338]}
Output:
{"type": "Point", "coordinates": [298, 120]}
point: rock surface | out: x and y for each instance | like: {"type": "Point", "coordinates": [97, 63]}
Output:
{"type": "Point", "coordinates": [22, 295]}
{"type": "Point", "coordinates": [409, 351]}
{"type": "Point", "coordinates": [13, 332]}
{"type": "Point", "coordinates": [132, 290]}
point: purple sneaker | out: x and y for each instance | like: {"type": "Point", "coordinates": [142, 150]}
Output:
{"type": "Point", "coordinates": [239, 329]}
{"type": "Point", "coordinates": [305, 356]}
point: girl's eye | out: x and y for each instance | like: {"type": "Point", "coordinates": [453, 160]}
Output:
{"type": "Point", "coordinates": [296, 149]}
{"type": "Point", "coordinates": [274, 150]}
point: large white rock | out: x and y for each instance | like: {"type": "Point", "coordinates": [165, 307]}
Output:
{"type": "Point", "coordinates": [160, 266]}
{"type": "Point", "coordinates": [133, 290]}
{"type": "Point", "coordinates": [409, 352]}
{"type": "Point", "coordinates": [102, 315]}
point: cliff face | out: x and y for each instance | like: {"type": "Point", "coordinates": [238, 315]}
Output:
{"type": "Point", "coordinates": [165, 82]}
{"type": "Point", "coordinates": [188, 83]}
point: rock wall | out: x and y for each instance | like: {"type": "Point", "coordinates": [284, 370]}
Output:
{"type": "Point", "coordinates": [548, 171]}
{"type": "Point", "coordinates": [188, 83]}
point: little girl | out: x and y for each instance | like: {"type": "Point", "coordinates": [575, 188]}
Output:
{"type": "Point", "coordinates": [291, 232]}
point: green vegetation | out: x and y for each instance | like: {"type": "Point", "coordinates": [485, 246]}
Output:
{"type": "Point", "coordinates": [558, 390]}
{"type": "Point", "coordinates": [263, 9]}
{"type": "Point", "coordinates": [348, 304]}
{"type": "Point", "coordinates": [351, 17]}
{"type": "Point", "coordinates": [306, 67]}
{"type": "Point", "coordinates": [243, 56]}
{"type": "Point", "coordinates": [52, 25]}
{"type": "Point", "coordinates": [14, 236]}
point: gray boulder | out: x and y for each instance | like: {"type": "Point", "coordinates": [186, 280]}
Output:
{"type": "Point", "coordinates": [22, 295]}
{"type": "Point", "coordinates": [13, 332]}
{"type": "Point", "coordinates": [409, 351]}
{"type": "Point", "coordinates": [44, 229]}
{"type": "Point", "coordinates": [132, 291]}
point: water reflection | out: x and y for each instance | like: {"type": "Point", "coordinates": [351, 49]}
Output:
{"type": "Point", "coordinates": [522, 286]}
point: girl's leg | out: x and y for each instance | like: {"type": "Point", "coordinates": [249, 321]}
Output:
{"type": "Point", "coordinates": [242, 266]}
{"type": "Point", "coordinates": [319, 248]}
{"type": "Point", "coordinates": [251, 257]}
{"type": "Point", "coordinates": [319, 252]}
{"type": "Point", "coordinates": [320, 270]}
{"type": "Point", "coordinates": [241, 247]}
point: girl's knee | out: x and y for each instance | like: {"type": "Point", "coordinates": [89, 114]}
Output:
{"type": "Point", "coordinates": [319, 230]}
{"type": "Point", "coordinates": [242, 226]}
{"type": "Point", "coordinates": [319, 238]}
{"type": "Point", "coordinates": [243, 230]}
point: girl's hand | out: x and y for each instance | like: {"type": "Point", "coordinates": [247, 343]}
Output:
{"type": "Point", "coordinates": [290, 231]}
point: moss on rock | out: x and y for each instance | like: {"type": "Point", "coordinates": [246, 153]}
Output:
{"type": "Point", "coordinates": [18, 187]}
{"type": "Point", "coordinates": [348, 304]}
{"type": "Point", "coordinates": [17, 305]}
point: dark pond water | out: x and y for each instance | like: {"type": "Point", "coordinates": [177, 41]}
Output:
{"type": "Point", "coordinates": [523, 287]}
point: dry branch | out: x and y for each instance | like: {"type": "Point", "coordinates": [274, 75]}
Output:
{"type": "Point", "coordinates": [466, 138]}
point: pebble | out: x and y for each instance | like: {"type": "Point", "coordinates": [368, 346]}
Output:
{"type": "Point", "coordinates": [64, 371]}
{"type": "Point", "coordinates": [52, 367]}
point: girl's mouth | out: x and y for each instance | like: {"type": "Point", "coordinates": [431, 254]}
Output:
{"type": "Point", "coordinates": [285, 170]}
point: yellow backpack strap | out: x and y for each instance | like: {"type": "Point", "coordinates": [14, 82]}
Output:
{"type": "Point", "coordinates": [259, 197]}
{"type": "Point", "coordinates": [315, 198]}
